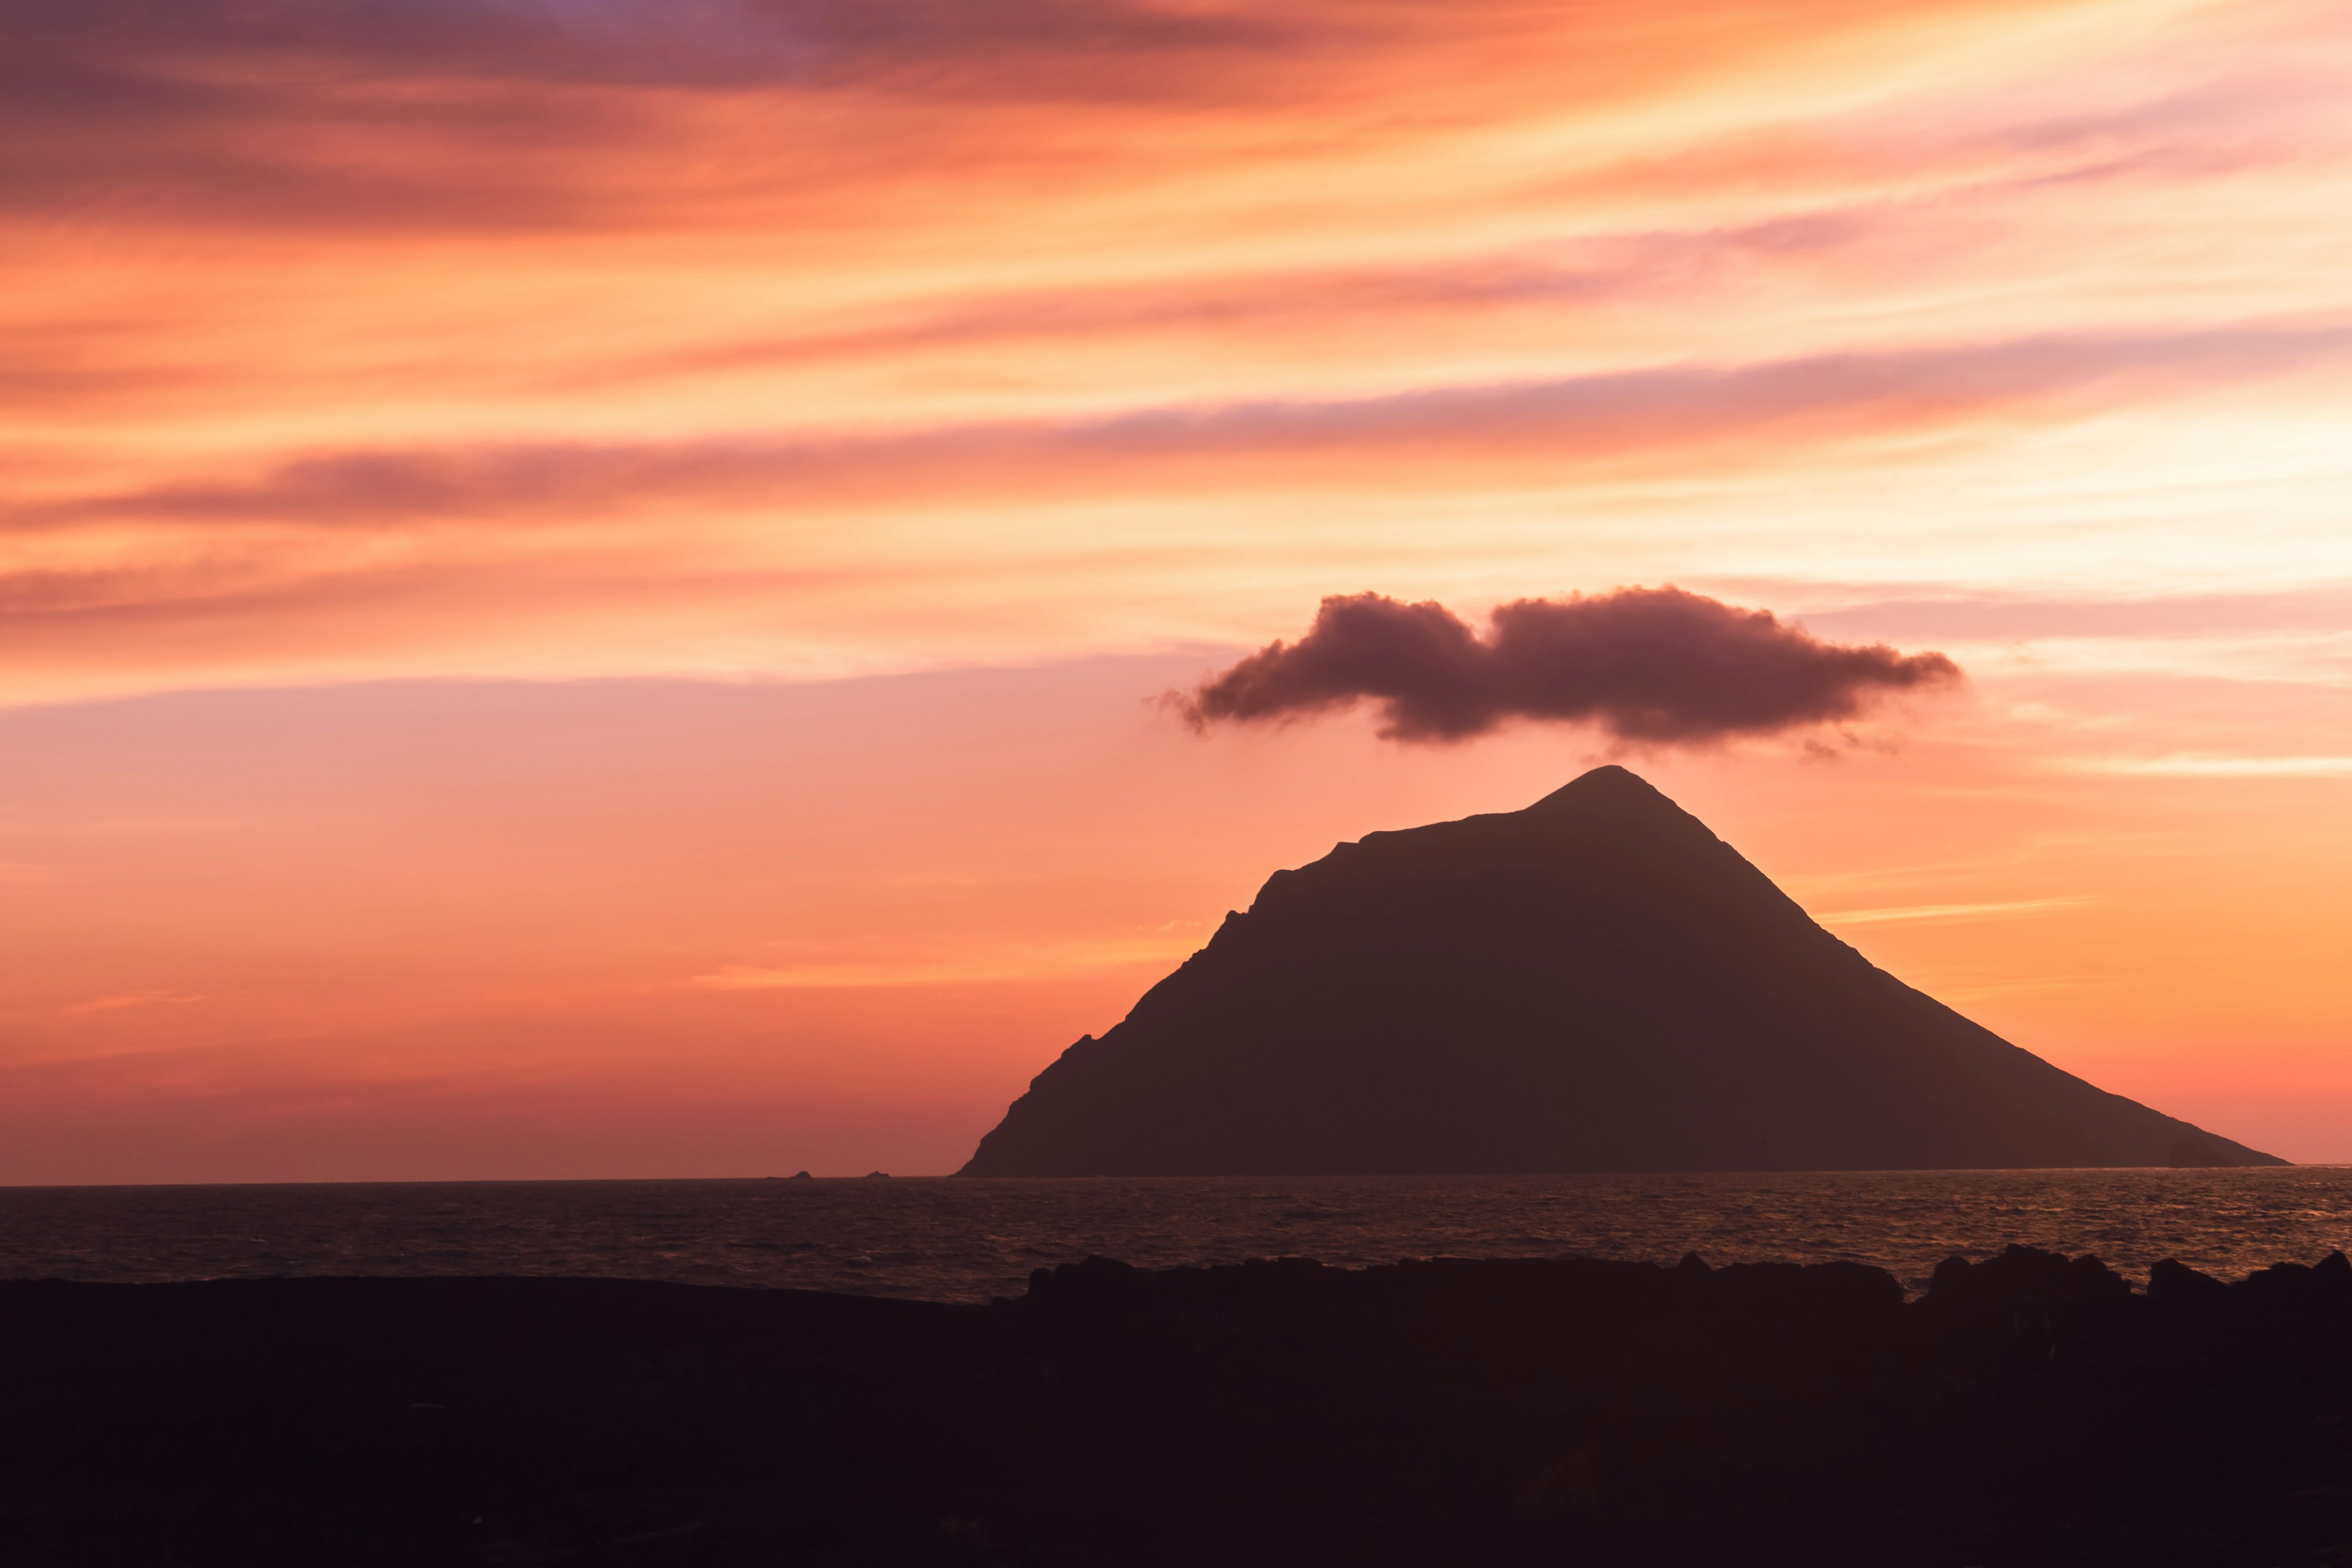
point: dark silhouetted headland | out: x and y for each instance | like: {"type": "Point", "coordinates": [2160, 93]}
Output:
{"type": "Point", "coordinates": [2031, 1411]}
{"type": "Point", "coordinates": [1596, 983]}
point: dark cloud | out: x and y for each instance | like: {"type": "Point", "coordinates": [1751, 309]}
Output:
{"type": "Point", "coordinates": [1655, 665]}
{"type": "Point", "coordinates": [386, 114]}
{"type": "Point", "coordinates": [623, 42]}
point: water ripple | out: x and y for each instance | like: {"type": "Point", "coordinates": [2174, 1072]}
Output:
{"type": "Point", "coordinates": [954, 1239]}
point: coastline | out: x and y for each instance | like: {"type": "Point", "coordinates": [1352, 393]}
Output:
{"type": "Point", "coordinates": [2026, 1409]}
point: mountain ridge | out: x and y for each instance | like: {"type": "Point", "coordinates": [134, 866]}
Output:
{"type": "Point", "coordinates": [1596, 981]}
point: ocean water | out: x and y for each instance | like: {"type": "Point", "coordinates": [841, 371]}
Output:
{"type": "Point", "coordinates": [953, 1239]}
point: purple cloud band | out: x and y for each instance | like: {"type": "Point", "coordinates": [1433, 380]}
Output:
{"type": "Point", "coordinates": [1547, 427]}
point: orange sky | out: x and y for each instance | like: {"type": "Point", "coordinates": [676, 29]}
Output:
{"type": "Point", "coordinates": [580, 580]}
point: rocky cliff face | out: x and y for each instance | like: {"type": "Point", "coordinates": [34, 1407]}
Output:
{"type": "Point", "coordinates": [1596, 983]}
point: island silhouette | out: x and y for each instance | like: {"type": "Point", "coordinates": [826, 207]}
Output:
{"type": "Point", "coordinates": [1596, 983]}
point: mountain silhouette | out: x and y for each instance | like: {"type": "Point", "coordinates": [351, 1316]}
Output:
{"type": "Point", "coordinates": [1596, 983]}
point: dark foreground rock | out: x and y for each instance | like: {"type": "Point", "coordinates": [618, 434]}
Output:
{"type": "Point", "coordinates": [2028, 1410]}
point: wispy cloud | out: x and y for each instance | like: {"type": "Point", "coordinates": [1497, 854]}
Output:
{"type": "Point", "coordinates": [1904, 912]}
{"type": "Point", "coordinates": [1022, 964]}
{"type": "Point", "coordinates": [2026, 617]}
{"type": "Point", "coordinates": [2209, 765]}
{"type": "Point", "coordinates": [1771, 414]}
{"type": "Point", "coordinates": [351, 115]}
{"type": "Point", "coordinates": [128, 999]}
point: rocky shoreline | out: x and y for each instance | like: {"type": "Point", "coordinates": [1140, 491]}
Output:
{"type": "Point", "coordinates": [2029, 1409]}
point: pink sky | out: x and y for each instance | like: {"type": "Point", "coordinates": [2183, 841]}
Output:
{"type": "Point", "coordinates": [581, 582]}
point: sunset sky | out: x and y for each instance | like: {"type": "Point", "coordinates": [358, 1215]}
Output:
{"type": "Point", "coordinates": [587, 586]}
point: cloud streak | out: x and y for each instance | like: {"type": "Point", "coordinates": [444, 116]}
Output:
{"type": "Point", "coordinates": [488, 114]}
{"type": "Point", "coordinates": [1905, 912]}
{"type": "Point", "coordinates": [731, 42]}
{"type": "Point", "coordinates": [1651, 666]}
{"type": "Point", "coordinates": [1496, 435]}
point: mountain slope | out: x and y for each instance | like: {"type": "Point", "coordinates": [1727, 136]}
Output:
{"type": "Point", "coordinates": [1596, 983]}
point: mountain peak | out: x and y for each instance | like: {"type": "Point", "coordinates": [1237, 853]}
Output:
{"type": "Point", "coordinates": [1596, 983]}
{"type": "Point", "coordinates": [1607, 784]}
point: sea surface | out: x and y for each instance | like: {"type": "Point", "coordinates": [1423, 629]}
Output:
{"type": "Point", "coordinates": [957, 1240]}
